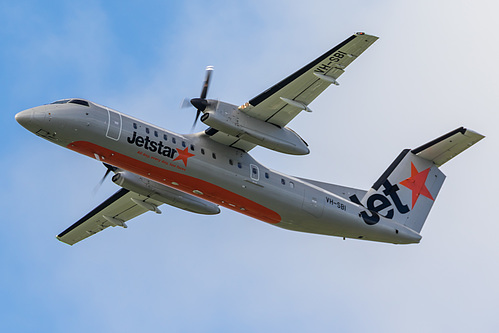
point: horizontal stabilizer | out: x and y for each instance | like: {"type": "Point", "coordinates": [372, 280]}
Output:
{"type": "Point", "coordinates": [448, 146]}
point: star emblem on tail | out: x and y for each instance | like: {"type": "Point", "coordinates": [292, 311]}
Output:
{"type": "Point", "coordinates": [416, 183]}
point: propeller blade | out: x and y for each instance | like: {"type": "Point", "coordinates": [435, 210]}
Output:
{"type": "Point", "coordinates": [195, 120]}
{"type": "Point", "coordinates": [109, 168]}
{"type": "Point", "coordinates": [201, 102]}
{"type": "Point", "coordinates": [186, 103]}
{"type": "Point", "coordinates": [206, 84]}
{"type": "Point", "coordinates": [104, 177]}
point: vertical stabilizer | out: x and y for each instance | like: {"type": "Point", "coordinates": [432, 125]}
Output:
{"type": "Point", "coordinates": [406, 191]}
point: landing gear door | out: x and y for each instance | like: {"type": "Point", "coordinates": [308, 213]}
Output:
{"type": "Point", "coordinates": [114, 125]}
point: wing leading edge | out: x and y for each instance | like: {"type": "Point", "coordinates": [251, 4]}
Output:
{"type": "Point", "coordinates": [122, 206]}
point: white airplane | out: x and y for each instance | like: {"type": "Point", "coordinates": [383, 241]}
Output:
{"type": "Point", "coordinates": [202, 171]}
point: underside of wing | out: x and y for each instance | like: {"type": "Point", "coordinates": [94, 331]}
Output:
{"type": "Point", "coordinates": [122, 206]}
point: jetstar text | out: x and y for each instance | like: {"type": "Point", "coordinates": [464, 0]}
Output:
{"type": "Point", "coordinates": [151, 145]}
{"type": "Point", "coordinates": [378, 202]}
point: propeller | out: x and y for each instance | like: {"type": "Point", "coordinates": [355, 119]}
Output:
{"type": "Point", "coordinates": [201, 103]}
{"type": "Point", "coordinates": [110, 168]}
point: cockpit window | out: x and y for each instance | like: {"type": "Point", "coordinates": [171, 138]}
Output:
{"type": "Point", "coordinates": [73, 101]}
{"type": "Point", "coordinates": [79, 101]}
{"type": "Point", "coordinates": [62, 101]}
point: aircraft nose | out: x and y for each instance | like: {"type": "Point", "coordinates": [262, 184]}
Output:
{"type": "Point", "coordinates": [25, 117]}
{"type": "Point", "coordinates": [33, 119]}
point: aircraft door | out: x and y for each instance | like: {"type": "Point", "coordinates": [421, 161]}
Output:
{"type": "Point", "coordinates": [254, 172]}
{"type": "Point", "coordinates": [114, 125]}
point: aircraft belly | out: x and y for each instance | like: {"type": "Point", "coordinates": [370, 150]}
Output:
{"type": "Point", "coordinates": [350, 226]}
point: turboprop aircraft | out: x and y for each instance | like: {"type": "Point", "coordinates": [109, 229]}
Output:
{"type": "Point", "coordinates": [201, 172]}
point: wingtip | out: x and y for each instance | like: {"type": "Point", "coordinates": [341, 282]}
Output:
{"type": "Point", "coordinates": [361, 33]}
{"type": "Point", "coordinates": [475, 134]}
{"type": "Point", "coordinates": [60, 240]}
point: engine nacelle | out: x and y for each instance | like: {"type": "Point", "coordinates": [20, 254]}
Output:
{"type": "Point", "coordinates": [163, 193]}
{"type": "Point", "coordinates": [227, 118]}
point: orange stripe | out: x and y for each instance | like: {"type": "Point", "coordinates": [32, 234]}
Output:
{"type": "Point", "coordinates": [187, 184]}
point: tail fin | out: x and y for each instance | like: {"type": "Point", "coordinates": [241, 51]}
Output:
{"type": "Point", "coordinates": [406, 191]}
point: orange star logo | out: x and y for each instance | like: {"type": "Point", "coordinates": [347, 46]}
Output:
{"type": "Point", "coordinates": [183, 155]}
{"type": "Point", "coordinates": [416, 183]}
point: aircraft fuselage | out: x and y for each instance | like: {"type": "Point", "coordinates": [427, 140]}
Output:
{"type": "Point", "coordinates": [199, 166]}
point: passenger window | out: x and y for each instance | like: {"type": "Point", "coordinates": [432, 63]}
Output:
{"type": "Point", "coordinates": [202, 151]}
{"type": "Point", "coordinates": [239, 165]}
{"type": "Point", "coordinates": [267, 175]}
{"type": "Point", "coordinates": [213, 155]}
{"type": "Point", "coordinates": [147, 130]}
{"type": "Point", "coordinates": [192, 147]}
{"type": "Point", "coordinates": [183, 144]}
{"type": "Point", "coordinates": [291, 184]}
{"type": "Point", "coordinates": [165, 137]}
{"type": "Point", "coordinates": [174, 140]}
{"type": "Point", "coordinates": [283, 182]}
{"type": "Point", "coordinates": [135, 125]}
{"type": "Point", "coordinates": [231, 162]}
{"type": "Point", "coordinates": [156, 133]}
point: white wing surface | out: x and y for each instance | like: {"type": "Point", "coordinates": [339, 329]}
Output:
{"type": "Point", "coordinates": [122, 206]}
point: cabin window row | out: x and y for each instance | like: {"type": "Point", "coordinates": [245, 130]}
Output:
{"type": "Point", "coordinates": [156, 134]}
{"type": "Point", "coordinates": [183, 143]}
{"type": "Point", "coordinates": [213, 154]}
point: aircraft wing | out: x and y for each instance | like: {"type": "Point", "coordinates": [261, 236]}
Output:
{"type": "Point", "coordinates": [122, 206]}
{"type": "Point", "coordinates": [282, 102]}
{"type": "Point", "coordinates": [307, 83]}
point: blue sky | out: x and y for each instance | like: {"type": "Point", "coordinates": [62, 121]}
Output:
{"type": "Point", "coordinates": [433, 69]}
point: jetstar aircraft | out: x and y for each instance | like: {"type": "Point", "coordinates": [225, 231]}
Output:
{"type": "Point", "coordinates": [202, 171]}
